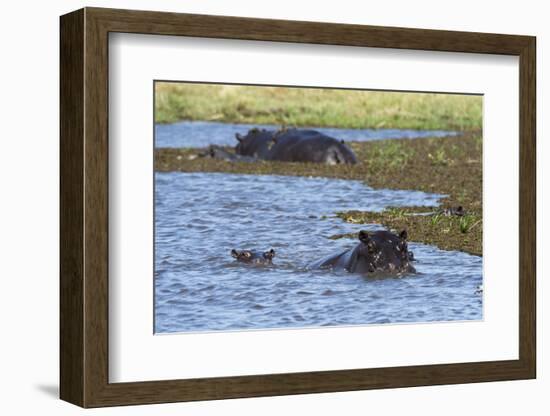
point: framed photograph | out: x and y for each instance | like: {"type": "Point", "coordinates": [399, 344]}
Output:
{"type": "Point", "coordinates": [254, 207]}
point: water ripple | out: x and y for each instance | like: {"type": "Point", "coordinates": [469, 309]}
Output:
{"type": "Point", "coordinates": [200, 217]}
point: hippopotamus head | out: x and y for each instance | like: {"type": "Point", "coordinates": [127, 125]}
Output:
{"type": "Point", "coordinates": [382, 251]}
{"type": "Point", "coordinates": [253, 256]}
{"type": "Point", "coordinates": [255, 143]}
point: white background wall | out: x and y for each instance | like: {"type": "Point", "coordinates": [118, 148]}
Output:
{"type": "Point", "coordinates": [29, 209]}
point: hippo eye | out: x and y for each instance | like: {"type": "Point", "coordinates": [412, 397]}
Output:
{"type": "Point", "coordinates": [247, 254]}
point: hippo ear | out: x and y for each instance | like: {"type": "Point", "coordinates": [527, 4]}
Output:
{"type": "Point", "coordinates": [403, 235]}
{"type": "Point", "coordinates": [364, 236]}
{"type": "Point", "coordinates": [234, 253]}
{"type": "Point", "coordinates": [239, 137]}
{"type": "Point", "coordinates": [269, 254]}
{"type": "Point", "coordinates": [342, 141]}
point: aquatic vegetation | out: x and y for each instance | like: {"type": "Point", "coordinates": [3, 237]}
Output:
{"type": "Point", "coordinates": [467, 222]}
{"type": "Point", "coordinates": [439, 158]}
{"type": "Point", "coordinates": [461, 196]}
{"type": "Point", "coordinates": [390, 154]}
{"type": "Point", "coordinates": [435, 218]}
{"type": "Point", "coordinates": [396, 212]}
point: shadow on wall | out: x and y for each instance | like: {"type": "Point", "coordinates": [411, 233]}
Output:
{"type": "Point", "coordinates": [49, 390]}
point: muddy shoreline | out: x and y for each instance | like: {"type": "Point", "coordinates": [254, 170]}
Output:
{"type": "Point", "coordinates": [450, 166]}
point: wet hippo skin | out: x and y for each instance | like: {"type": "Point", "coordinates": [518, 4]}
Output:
{"type": "Point", "coordinates": [294, 145]}
{"type": "Point", "coordinates": [376, 252]}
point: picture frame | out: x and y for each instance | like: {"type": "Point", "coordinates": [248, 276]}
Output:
{"type": "Point", "coordinates": [84, 215]}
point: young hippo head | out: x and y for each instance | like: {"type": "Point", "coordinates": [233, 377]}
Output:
{"type": "Point", "coordinates": [256, 143]}
{"type": "Point", "coordinates": [253, 256]}
{"type": "Point", "coordinates": [383, 251]}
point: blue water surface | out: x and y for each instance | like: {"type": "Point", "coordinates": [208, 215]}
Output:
{"type": "Point", "coordinates": [200, 217]}
{"type": "Point", "coordinates": [204, 133]}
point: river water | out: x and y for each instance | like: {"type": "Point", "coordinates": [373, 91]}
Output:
{"type": "Point", "coordinates": [200, 217]}
{"type": "Point", "coordinates": [204, 133]}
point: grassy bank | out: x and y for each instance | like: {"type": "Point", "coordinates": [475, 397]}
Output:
{"type": "Point", "coordinates": [446, 232]}
{"type": "Point", "coordinates": [450, 166]}
{"type": "Point", "coordinates": [303, 107]}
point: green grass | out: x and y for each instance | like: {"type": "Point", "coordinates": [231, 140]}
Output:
{"type": "Point", "coordinates": [446, 232]}
{"type": "Point", "coordinates": [439, 158]}
{"type": "Point", "coordinates": [435, 219]}
{"type": "Point", "coordinates": [390, 154]}
{"type": "Point", "coordinates": [468, 222]}
{"type": "Point", "coordinates": [303, 107]}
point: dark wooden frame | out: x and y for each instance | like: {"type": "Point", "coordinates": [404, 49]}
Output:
{"type": "Point", "coordinates": [84, 207]}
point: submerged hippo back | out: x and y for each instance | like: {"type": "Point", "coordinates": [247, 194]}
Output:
{"type": "Point", "coordinates": [295, 145]}
{"type": "Point", "coordinates": [256, 143]}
